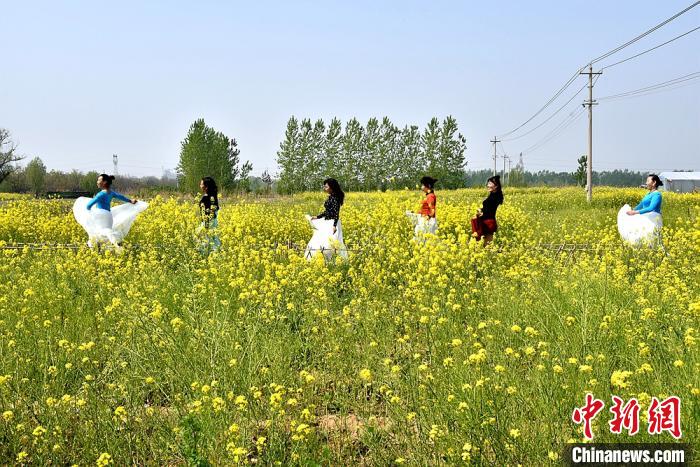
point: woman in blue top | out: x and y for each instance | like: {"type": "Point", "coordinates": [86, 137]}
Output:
{"type": "Point", "coordinates": [103, 199]}
{"type": "Point", "coordinates": [100, 221]}
{"type": "Point", "coordinates": [642, 225]}
{"type": "Point", "coordinates": [652, 201]}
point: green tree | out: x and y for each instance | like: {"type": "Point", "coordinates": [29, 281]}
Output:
{"type": "Point", "coordinates": [388, 163]}
{"type": "Point", "coordinates": [243, 182]}
{"type": "Point", "coordinates": [580, 174]}
{"type": "Point", "coordinates": [36, 176]}
{"type": "Point", "coordinates": [206, 152]}
{"type": "Point", "coordinates": [288, 158]}
{"type": "Point", "coordinates": [317, 157]}
{"type": "Point", "coordinates": [305, 156]}
{"type": "Point", "coordinates": [331, 165]}
{"type": "Point", "coordinates": [412, 163]}
{"type": "Point", "coordinates": [430, 149]}
{"type": "Point", "coordinates": [449, 165]}
{"type": "Point", "coordinates": [368, 162]}
{"type": "Point", "coordinates": [351, 154]}
{"type": "Point", "coordinates": [87, 182]}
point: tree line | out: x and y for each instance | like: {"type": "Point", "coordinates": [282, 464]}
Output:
{"type": "Point", "coordinates": [524, 178]}
{"type": "Point", "coordinates": [378, 155]}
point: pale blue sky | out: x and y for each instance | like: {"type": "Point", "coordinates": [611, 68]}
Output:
{"type": "Point", "coordinates": [81, 80]}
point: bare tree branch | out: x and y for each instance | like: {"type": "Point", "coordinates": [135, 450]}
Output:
{"type": "Point", "coordinates": [7, 154]}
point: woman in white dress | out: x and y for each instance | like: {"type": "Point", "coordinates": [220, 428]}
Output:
{"type": "Point", "coordinates": [425, 220]}
{"type": "Point", "coordinates": [642, 225]}
{"type": "Point", "coordinates": [328, 229]}
{"type": "Point", "coordinates": [100, 221]}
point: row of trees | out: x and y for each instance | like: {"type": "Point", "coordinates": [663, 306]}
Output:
{"type": "Point", "coordinates": [36, 179]}
{"type": "Point", "coordinates": [376, 155]}
{"type": "Point", "coordinates": [523, 178]}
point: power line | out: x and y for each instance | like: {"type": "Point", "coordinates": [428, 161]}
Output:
{"type": "Point", "coordinates": [644, 34]}
{"type": "Point", "coordinates": [689, 82]}
{"type": "Point", "coordinates": [654, 87]}
{"type": "Point", "coordinates": [560, 128]}
{"type": "Point", "coordinates": [550, 117]}
{"type": "Point", "coordinates": [649, 50]}
{"type": "Point", "coordinates": [605, 55]}
{"type": "Point", "coordinates": [549, 102]}
{"type": "Point", "coordinates": [572, 118]}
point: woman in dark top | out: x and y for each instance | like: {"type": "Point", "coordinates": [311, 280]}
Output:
{"type": "Point", "coordinates": [331, 207]}
{"type": "Point", "coordinates": [209, 213]}
{"type": "Point", "coordinates": [484, 223]}
{"type": "Point", "coordinates": [328, 229]}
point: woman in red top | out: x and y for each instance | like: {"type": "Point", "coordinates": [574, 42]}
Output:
{"type": "Point", "coordinates": [428, 206]}
{"type": "Point", "coordinates": [425, 220]}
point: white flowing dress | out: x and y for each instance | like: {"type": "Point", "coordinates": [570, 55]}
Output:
{"type": "Point", "coordinates": [640, 229]}
{"type": "Point", "coordinates": [106, 226]}
{"type": "Point", "coordinates": [324, 240]}
{"type": "Point", "coordinates": [422, 225]}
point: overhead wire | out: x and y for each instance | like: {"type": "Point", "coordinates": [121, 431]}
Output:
{"type": "Point", "coordinates": [649, 50]}
{"type": "Point", "coordinates": [599, 58]}
{"type": "Point", "coordinates": [547, 104]}
{"type": "Point", "coordinates": [644, 34]}
{"type": "Point", "coordinates": [654, 87]}
{"type": "Point", "coordinates": [550, 117]}
{"type": "Point", "coordinates": [573, 117]}
{"type": "Point", "coordinates": [560, 128]}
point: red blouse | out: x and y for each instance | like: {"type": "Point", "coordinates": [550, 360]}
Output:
{"type": "Point", "coordinates": [428, 205]}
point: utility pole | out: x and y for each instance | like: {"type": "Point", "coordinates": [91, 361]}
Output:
{"type": "Point", "coordinates": [494, 141]}
{"type": "Point", "coordinates": [115, 161]}
{"type": "Point", "coordinates": [509, 170]}
{"type": "Point", "coordinates": [504, 166]}
{"type": "Point", "coordinates": [590, 103]}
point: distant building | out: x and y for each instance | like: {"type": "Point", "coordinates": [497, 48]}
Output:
{"type": "Point", "coordinates": [681, 182]}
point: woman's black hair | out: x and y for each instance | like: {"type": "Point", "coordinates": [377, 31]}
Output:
{"type": "Point", "coordinates": [655, 178]}
{"type": "Point", "coordinates": [496, 180]}
{"type": "Point", "coordinates": [335, 189]}
{"type": "Point", "coordinates": [108, 179]}
{"type": "Point", "coordinates": [211, 188]}
{"type": "Point", "coordinates": [428, 181]}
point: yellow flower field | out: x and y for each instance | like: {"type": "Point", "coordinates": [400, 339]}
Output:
{"type": "Point", "coordinates": [437, 353]}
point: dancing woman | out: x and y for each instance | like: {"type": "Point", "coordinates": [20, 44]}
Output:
{"type": "Point", "coordinates": [209, 213]}
{"type": "Point", "coordinates": [425, 220]}
{"type": "Point", "coordinates": [484, 223]}
{"type": "Point", "coordinates": [328, 229]}
{"type": "Point", "coordinates": [652, 200]}
{"type": "Point", "coordinates": [103, 199]}
{"type": "Point", "coordinates": [331, 207]}
{"type": "Point", "coordinates": [100, 221]}
{"type": "Point", "coordinates": [642, 225]}
{"type": "Point", "coordinates": [428, 207]}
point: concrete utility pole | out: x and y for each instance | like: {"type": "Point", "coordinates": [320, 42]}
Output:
{"type": "Point", "coordinates": [494, 141]}
{"type": "Point", "coordinates": [115, 161]}
{"type": "Point", "coordinates": [590, 103]}
{"type": "Point", "coordinates": [504, 166]}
